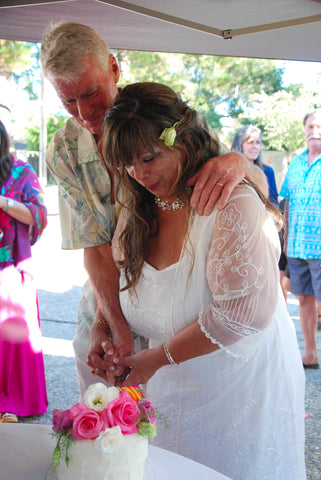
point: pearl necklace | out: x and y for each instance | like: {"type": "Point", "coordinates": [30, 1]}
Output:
{"type": "Point", "coordinates": [166, 205]}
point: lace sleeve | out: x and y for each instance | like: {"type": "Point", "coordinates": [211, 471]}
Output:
{"type": "Point", "coordinates": [242, 273]}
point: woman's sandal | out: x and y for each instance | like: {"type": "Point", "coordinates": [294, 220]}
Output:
{"type": "Point", "coordinates": [7, 417]}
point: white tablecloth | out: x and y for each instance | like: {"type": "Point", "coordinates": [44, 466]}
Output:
{"type": "Point", "coordinates": [26, 451]}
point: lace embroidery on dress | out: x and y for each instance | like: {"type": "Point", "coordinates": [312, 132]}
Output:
{"type": "Point", "coordinates": [239, 259]}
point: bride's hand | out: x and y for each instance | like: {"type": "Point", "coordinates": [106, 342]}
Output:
{"type": "Point", "coordinates": [143, 365]}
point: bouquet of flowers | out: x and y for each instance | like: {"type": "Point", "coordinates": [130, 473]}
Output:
{"type": "Point", "coordinates": [107, 414]}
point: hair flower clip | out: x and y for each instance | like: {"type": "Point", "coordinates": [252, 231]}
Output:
{"type": "Point", "coordinates": [169, 135]}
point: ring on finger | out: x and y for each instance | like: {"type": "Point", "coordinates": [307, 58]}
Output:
{"type": "Point", "coordinates": [220, 184]}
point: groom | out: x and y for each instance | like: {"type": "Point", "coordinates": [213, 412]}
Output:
{"type": "Point", "coordinates": [85, 74]}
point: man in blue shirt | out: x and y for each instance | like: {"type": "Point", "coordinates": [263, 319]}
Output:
{"type": "Point", "coordinates": [302, 190]}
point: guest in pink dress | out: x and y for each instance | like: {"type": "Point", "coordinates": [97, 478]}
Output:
{"type": "Point", "coordinates": [23, 218]}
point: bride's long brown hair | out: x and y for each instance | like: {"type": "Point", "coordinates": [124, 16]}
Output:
{"type": "Point", "coordinates": [133, 125]}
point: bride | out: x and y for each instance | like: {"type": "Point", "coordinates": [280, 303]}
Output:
{"type": "Point", "coordinates": [223, 365]}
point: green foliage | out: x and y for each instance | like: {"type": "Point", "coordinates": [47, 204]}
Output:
{"type": "Point", "coordinates": [15, 57]}
{"type": "Point", "coordinates": [32, 137]}
{"type": "Point", "coordinates": [20, 61]}
{"type": "Point", "coordinates": [64, 441]}
{"type": "Point", "coordinates": [295, 88]}
{"type": "Point", "coordinates": [280, 116]}
{"type": "Point", "coordinates": [150, 67]}
{"type": "Point", "coordinates": [229, 92]}
{"type": "Point", "coordinates": [32, 76]}
{"type": "Point", "coordinates": [217, 86]}
{"type": "Point", "coordinates": [238, 90]}
{"type": "Point", "coordinates": [53, 124]}
{"type": "Point", "coordinates": [222, 85]}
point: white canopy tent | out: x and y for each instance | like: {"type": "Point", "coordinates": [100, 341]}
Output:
{"type": "Point", "coordinates": [275, 29]}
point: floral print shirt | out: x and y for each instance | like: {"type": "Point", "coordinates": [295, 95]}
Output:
{"type": "Point", "coordinates": [22, 185]}
{"type": "Point", "coordinates": [84, 185]}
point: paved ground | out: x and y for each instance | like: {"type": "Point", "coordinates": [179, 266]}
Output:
{"type": "Point", "coordinates": [60, 276]}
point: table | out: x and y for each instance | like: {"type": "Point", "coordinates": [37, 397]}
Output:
{"type": "Point", "coordinates": [26, 451]}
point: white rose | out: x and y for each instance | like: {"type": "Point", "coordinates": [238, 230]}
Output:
{"type": "Point", "coordinates": [109, 440]}
{"type": "Point", "coordinates": [97, 396]}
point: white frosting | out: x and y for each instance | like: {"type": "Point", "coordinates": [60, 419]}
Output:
{"type": "Point", "coordinates": [85, 462]}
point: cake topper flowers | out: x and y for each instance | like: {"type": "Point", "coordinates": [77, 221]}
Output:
{"type": "Point", "coordinates": [169, 135]}
{"type": "Point", "coordinates": [107, 414]}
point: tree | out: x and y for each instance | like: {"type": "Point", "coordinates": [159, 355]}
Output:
{"type": "Point", "coordinates": [217, 86]}
{"type": "Point", "coordinates": [223, 85]}
{"type": "Point", "coordinates": [16, 57]}
{"type": "Point", "coordinates": [53, 124]}
{"type": "Point", "coordinates": [228, 91]}
{"type": "Point", "coordinates": [150, 67]}
{"type": "Point", "coordinates": [280, 117]}
{"type": "Point", "coordinates": [19, 62]}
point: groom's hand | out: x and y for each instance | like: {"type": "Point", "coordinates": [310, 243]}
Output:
{"type": "Point", "coordinates": [105, 346]}
{"type": "Point", "coordinates": [101, 350]}
{"type": "Point", "coordinates": [216, 180]}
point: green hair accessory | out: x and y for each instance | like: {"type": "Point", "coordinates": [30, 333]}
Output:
{"type": "Point", "coordinates": [169, 135]}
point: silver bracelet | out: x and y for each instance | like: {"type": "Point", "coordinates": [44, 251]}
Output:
{"type": "Point", "coordinates": [9, 204]}
{"type": "Point", "coordinates": [169, 356]}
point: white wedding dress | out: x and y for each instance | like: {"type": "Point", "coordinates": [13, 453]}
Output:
{"type": "Point", "coordinates": [239, 410]}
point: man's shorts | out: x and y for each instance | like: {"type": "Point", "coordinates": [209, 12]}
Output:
{"type": "Point", "coordinates": [305, 276]}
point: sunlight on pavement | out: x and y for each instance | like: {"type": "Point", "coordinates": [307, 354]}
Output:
{"type": "Point", "coordinates": [57, 270]}
{"type": "Point", "coordinates": [293, 301]}
{"type": "Point", "coordinates": [57, 346]}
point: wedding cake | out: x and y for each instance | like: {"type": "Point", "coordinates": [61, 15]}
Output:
{"type": "Point", "coordinates": [105, 438]}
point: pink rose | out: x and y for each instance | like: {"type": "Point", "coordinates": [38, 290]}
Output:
{"type": "Point", "coordinates": [123, 412]}
{"type": "Point", "coordinates": [77, 409]}
{"type": "Point", "coordinates": [61, 420]}
{"type": "Point", "coordinates": [147, 411]}
{"type": "Point", "coordinates": [87, 423]}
